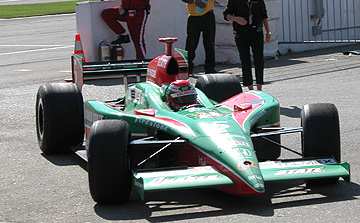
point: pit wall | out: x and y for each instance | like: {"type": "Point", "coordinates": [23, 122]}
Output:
{"type": "Point", "coordinates": [167, 19]}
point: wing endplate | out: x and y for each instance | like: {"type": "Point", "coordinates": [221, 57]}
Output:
{"type": "Point", "coordinates": [304, 169]}
{"type": "Point", "coordinates": [184, 178]}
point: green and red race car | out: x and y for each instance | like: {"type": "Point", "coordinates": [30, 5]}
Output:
{"type": "Point", "coordinates": [227, 140]}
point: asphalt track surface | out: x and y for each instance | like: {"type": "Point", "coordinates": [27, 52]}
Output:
{"type": "Point", "coordinates": [39, 188]}
{"type": "Point", "coordinates": [20, 2]}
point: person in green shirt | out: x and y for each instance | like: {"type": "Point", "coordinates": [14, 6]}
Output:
{"type": "Point", "coordinates": [201, 19]}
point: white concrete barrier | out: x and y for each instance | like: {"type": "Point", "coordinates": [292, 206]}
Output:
{"type": "Point", "coordinates": [167, 19]}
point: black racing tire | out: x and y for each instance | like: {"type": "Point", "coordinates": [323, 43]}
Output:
{"type": "Point", "coordinates": [59, 117]}
{"type": "Point", "coordinates": [219, 87]}
{"type": "Point", "coordinates": [108, 162]}
{"type": "Point", "coordinates": [320, 135]}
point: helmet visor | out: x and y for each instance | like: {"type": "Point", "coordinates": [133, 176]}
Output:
{"type": "Point", "coordinates": [184, 98]}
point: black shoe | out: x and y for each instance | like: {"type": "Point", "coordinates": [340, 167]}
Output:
{"type": "Point", "coordinates": [122, 39]}
{"type": "Point", "coordinates": [210, 71]}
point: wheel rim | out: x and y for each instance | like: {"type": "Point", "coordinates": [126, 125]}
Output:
{"type": "Point", "coordinates": [40, 120]}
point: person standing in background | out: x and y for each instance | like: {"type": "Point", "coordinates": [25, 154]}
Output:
{"type": "Point", "coordinates": [248, 18]}
{"type": "Point", "coordinates": [135, 14]}
{"type": "Point", "coordinates": [201, 19]}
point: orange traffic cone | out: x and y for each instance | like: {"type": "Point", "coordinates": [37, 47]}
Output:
{"type": "Point", "coordinates": [78, 47]}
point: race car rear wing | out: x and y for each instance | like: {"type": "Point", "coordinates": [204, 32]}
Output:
{"type": "Point", "coordinates": [83, 71]}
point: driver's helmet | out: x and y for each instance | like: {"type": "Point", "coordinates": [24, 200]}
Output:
{"type": "Point", "coordinates": [180, 93]}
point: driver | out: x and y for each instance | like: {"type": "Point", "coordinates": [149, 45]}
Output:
{"type": "Point", "coordinates": [180, 93]}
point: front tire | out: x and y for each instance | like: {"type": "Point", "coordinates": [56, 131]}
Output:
{"type": "Point", "coordinates": [108, 163]}
{"type": "Point", "coordinates": [59, 117]}
{"type": "Point", "coordinates": [321, 135]}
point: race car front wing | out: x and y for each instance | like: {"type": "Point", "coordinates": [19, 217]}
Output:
{"type": "Point", "coordinates": [208, 176]}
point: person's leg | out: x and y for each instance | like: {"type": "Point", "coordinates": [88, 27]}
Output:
{"type": "Point", "coordinates": [111, 17]}
{"type": "Point", "coordinates": [259, 87]}
{"type": "Point", "coordinates": [192, 39]}
{"type": "Point", "coordinates": [243, 44]}
{"type": "Point", "coordinates": [136, 26]}
{"type": "Point", "coordinates": [209, 41]}
{"type": "Point", "coordinates": [257, 46]}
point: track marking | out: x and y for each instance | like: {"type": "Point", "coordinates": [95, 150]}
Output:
{"type": "Point", "coordinates": [17, 45]}
{"type": "Point", "coordinates": [42, 16]}
{"type": "Point", "coordinates": [23, 70]}
{"type": "Point", "coordinates": [36, 50]}
{"type": "Point", "coordinates": [6, 1]}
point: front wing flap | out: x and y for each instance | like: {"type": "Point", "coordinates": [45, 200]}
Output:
{"type": "Point", "coordinates": [304, 169]}
{"type": "Point", "coordinates": [184, 178]}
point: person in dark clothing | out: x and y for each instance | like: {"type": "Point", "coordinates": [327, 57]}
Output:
{"type": "Point", "coordinates": [135, 14]}
{"type": "Point", "coordinates": [248, 17]}
{"type": "Point", "coordinates": [201, 19]}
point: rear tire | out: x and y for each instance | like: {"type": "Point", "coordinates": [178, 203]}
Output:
{"type": "Point", "coordinates": [59, 117]}
{"type": "Point", "coordinates": [321, 135]}
{"type": "Point", "coordinates": [108, 163]}
{"type": "Point", "coordinates": [219, 87]}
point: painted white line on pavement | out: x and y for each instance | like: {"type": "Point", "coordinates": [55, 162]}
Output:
{"type": "Point", "coordinates": [35, 17]}
{"type": "Point", "coordinates": [23, 70]}
{"type": "Point", "coordinates": [28, 51]}
{"type": "Point", "coordinates": [28, 70]}
{"type": "Point", "coordinates": [30, 45]}
{"type": "Point", "coordinates": [8, 1]}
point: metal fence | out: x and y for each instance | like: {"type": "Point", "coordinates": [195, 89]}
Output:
{"type": "Point", "coordinates": [319, 21]}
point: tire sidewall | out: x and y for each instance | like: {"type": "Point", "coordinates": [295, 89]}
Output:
{"type": "Point", "coordinates": [321, 132]}
{"type": "Point", "coordinates": [108, 162]}
{"type": "Point", "coordinates": [320, 137]}
{"type": "Point", "coordinates": [59, 117]}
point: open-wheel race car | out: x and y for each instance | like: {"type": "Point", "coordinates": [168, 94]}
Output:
{"type": "Point", "coordinates": [158, 137]}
